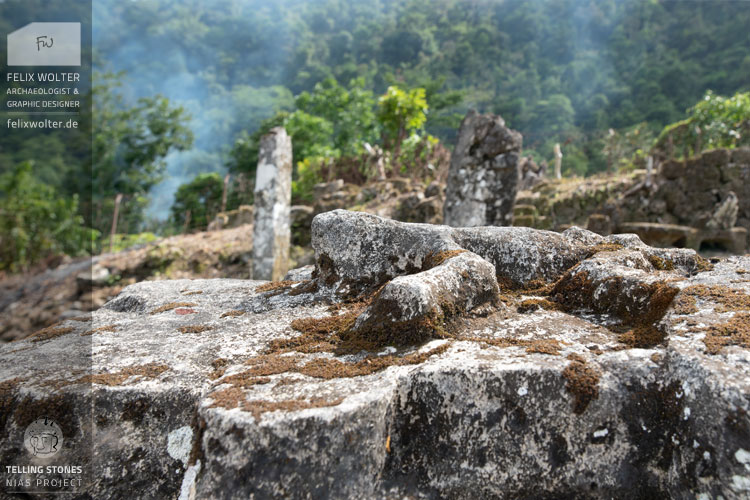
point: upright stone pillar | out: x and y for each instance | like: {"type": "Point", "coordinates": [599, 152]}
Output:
{"type": "Point", "coordinates": [558, 161]}
{"type": "Point", "coordinates": [484, 174]}
{"type": "Point", "coordinates": [273, 196]}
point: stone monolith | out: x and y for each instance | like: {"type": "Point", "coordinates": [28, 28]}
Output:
{"type": "Point", "coordinates": [484, 173]}
{"type": "Point", "coordinates": [273, 195]}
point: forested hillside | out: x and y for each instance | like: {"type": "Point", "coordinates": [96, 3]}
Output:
{"type": "Point", "coordinates": [196, 78]}
{"type": "Point", "coordinates": [558, 70]}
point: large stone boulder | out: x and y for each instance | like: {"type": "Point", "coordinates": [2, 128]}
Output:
{"type": "Point", "coordinates": [484, 173]}
{"type": "Point", "coordinates": [614, 370]}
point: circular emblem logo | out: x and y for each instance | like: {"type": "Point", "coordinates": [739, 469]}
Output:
{"type": "Point", "coordinates": [43, 437]}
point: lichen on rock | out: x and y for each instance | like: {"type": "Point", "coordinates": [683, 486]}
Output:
{"type": "Point", "coordinates": [536, 360]}
{"type": "Point", "coordinates": [391, 266]}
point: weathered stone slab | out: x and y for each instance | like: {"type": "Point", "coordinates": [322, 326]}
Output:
{"type": "Point", "coordinates": [484, 174]}
{"type": "Point", "coordinates": [273, 195]}
{"type": "Point", "coordinates": [355, 251]}
{"type": "Point", "coordinates": [478, 419]}
{"type": "Point", "coordinates": [410, 308]}
{"type": "Point", "coordinates": [664, 235]}
{"type": "Point", "coordinates": [625, 374]}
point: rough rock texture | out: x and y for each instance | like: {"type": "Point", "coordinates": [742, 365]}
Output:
{"type": "Point", "coordinates": [398, 313]}
{"type": "Point", "coordinates": [674, 199]}
{"type": "Point", "coordinates": [273, 195]}
{"type": "Point", "coordinates": [571, 201]}
{"type": "Point", "coordinates": [398, 198]}
{"type": "Point", "coordinates": [71, 289]}
{"type": "Point", "coordinates": [484, 173]}
{"type": "Point", "coordinates": [232, 218]}
{"type": "Point", "coordinates": [531, 173]}
{"type": "Point", "coordinates": [356, 251]}
{"type": "Point", "coordinates": [203, 395]}
{"type": "Point", "coordinates": [301, 217]}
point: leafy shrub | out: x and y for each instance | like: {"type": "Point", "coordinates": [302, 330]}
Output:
{"type": "Point", "coordinates": [309, 173]}
{"type": "Point", "coordinates": [714, 122]}
{"type": "Point", "coordinates": [36, 222]}
{"type": "Point", "coordinates": [201, 197]}
{"type": "Point", "coordinates": [125, 241]}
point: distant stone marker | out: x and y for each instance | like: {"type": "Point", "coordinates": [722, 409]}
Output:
{"type": "Point", "coordinates": [484, 173]}
{"type": "Point", "coordinates": [273, 196]}
{"type": "Point", "coordinates": [558, 161]}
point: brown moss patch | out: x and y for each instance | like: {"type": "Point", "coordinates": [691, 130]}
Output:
{"type": "Point", "coordinates": [323, 334]}
{"type": "Point", "coordinates": [646, 332]}
{"type": "Point", "coordinates": [385, 325]}
{"type": "Point", "coordinates": [531, 305]}
{"type": "Point", "coordinates": [196, 292]}
{"type": "Point", "coordinates": [661, 264]}
{"type": "Point", "coordinates": [194, 329]}
{"type": "Point", "coordinates": [541, 346]}
{"type": "Point", "coordinates": [325, 268]}
{"type": "Point", "coordinates": [513, 290]}
{"type": "Point", "coordinates": [576, 291]}
{"type": "Point", "coordinates": [684, 304]}
{"type": "Point", "coordinates": [437, 258]}
{"type": "Point", "coordinates": [544, 346]}
{"type": "Point", "coordinates": [234, 397]}
{"type": "Point", "coordinates": [259, 407]}
{"type": "Point", "coordinates": [287, 381]}
{"type": "Point", "coordinates": [81, 319]}
{"type": "Point", "coordinates": [381, 329]}
{"type": "Point", "coordinates": [582, 381]}
{"type": "Point", "coordinates": [229, 398]}
{"type": "Point", "coordinates": [49, 333]}
{"type": "Point", "coordinates": [735, 331]}
{"type": "Point", "coordinates": [643, 337]}
{"type": "Point", "coordinates": [321, 327]}
{"type": "Point", "coordinates": [728, 299]}
{"type": "Point", "coordinates": [219, 366]}
{"type": "Point", "coordinates": [271, 364]}
{"type": "Point", "coordinates": [703, 265]}
{"type": "Point", "coordinates": [105, 328]}
{"type": "Point", "coordinates": [318, 334]}
{"type": "Point", "coordinates": [232, 314]}
{"type": "Point", "coordinates": [275, 286]}
{"type": "Point", "coordinates": [307, 286]}
{"type": "Point", "coordinates": [326, 368]}
{"type": "Point", "coordinates": [147, 371]}
{"type": "Point", "coordinates": [604, 247]}
{"type": "Point", "coordinates": [244, 380]}
{"type": "Point", "coordinates": [172, 305]}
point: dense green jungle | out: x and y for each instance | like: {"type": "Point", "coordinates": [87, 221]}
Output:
{"type": "Point", "coordinates": [183, 89]}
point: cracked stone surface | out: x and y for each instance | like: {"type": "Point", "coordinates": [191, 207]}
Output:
{"type": "Point", "coordinates": [484, 174]}
{"type": "Point", "coordinates": [190, 393]}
